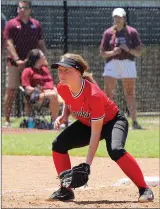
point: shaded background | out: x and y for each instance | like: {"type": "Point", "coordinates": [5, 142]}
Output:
{"type": "Point", "coordinates": [77, 27]}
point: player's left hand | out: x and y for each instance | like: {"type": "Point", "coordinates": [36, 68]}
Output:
{"type": "Point", "coordinates": [75, 177]}
{"type": "Point", "coordinates": [124, 47]}
{"type": "Point", "coordinates": [59, 120]}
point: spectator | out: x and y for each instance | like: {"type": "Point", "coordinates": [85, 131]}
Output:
{"type": "Point", "coordinates": [38, 82]}
{"type": "Point", "coordinates": [120, 45]}
{"type": "Point", "coordinates": [21, 35]}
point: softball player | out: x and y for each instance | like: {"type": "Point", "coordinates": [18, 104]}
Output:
{"type": "Point", "coordinates": [98, 118]}
{"type": "Point", "coordinates": [120, 44]}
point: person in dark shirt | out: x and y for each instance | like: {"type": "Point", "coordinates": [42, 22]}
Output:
{"type": "Point", "coordinates": [21, 34]}
{"type": "Point", "coordinates": [120, 45]}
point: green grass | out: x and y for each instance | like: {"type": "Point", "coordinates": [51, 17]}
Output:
{"type": "Point", "coordinates": [140, 143]}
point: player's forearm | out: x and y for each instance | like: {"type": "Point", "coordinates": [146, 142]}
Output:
{"type": "Point", "coordinates": [136, 52]}
{"type": "Point", "coordinates": [11, 50]}
{"type": "Point", "coordinates": [94, 141]}
{"type": "Point", "coordinates": [65, 112]}
{"type": "Point", "coordinates": [107, 54]}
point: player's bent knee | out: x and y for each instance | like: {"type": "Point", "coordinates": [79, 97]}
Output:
{"type": "Point", "coordinates": [58, 147]}
{"type": "Point", "coordinates": [116, 154]}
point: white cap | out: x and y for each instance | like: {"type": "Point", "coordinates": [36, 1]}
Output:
{"type": "Point", "coordinates": [119, 12]}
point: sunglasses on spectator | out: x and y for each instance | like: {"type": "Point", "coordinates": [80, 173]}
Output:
{"type": "Point", "coordinates": [25, 8]}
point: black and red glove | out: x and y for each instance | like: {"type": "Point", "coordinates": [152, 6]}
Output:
{"type": "Point", "coordinates": [75, 177]}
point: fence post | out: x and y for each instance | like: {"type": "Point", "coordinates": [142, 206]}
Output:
{"type": "Point", "coordinates": [128, 22]}
{"type": "Point", "coordinates": [65, 26]}
{"type": "Point", "coordinates": [127, 16]}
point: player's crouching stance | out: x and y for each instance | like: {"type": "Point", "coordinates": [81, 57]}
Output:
{"type": "Point", "coordinates": [97, 118]}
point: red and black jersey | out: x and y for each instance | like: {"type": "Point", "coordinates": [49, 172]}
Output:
{"type": "Point", "coordinates": [37, 77]}
{"type": "Point", "coordinates": [89, 104]}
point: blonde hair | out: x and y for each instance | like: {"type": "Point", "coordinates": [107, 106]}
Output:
{"type": "Point", "coordinates": [88, 76]}
{"type": "Point", "coordinates": [83, 63]}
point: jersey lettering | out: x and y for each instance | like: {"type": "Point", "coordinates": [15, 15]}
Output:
{"type": "Point", "coordinates": [81, 113]}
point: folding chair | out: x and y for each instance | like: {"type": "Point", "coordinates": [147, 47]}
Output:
{"type": "Point", "coordinates": [38, 111]}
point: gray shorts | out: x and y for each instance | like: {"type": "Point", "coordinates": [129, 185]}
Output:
{"type": "Point", "coordinates": [13, 75]}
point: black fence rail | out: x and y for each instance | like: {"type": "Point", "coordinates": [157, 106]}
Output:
{"type": "Point", "coordinates": [72, 28]}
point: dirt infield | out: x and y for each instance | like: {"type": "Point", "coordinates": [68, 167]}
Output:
{"type": "Point", "coordinates": [28, 180]}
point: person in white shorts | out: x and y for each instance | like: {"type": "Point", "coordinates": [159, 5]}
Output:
{"type": "Point", "coordinates": [120, 45]}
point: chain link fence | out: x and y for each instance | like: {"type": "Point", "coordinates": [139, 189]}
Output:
{"type": "Point", "coordinates": [77, 27]}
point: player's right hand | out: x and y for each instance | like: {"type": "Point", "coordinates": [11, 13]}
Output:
{"type": "Point", "coordinates": [59, 120]}
{"type": "Point", "coordinates": [20, 64]}
{"type": "Point", "coordinates": [124, 47]}
{"type": "Point", "coordinates": [116, 50]}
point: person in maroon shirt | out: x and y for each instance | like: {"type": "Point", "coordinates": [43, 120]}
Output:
{"type": "Point", "coordinates": [97, 117]}
{"type": "Point", "coordinates": [21, 34]}
{"type": "Point", "coordinates": [38, 83]}
{"type": "Point", "coordinates": [120, 45]}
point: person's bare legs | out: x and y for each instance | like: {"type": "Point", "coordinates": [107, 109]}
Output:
{"type": "Point", "coordinates": [109, 86]}
{"type": "Point", "coordinates": [54, 104]}
{"type": "Point", "coordinates": [13, 79]}
{"type": "Point", "coordinates": [8, 102]}
{"type": "Point", "coordinates": [129, 93]}
{"type": "Point", "coordinates": [54, 107]}
{"type": "Point", "coordinates": [129, 87]}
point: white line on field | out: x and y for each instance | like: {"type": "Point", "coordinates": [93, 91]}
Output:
{"type": "Point", "coordinates": [150, 180]}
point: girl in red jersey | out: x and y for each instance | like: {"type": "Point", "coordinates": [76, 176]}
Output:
{"type": "Point", "coordinates": [38, 83]}
{"type": "Point", "coordinates": [98, 118]}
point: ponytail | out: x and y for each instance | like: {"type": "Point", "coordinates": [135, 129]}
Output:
{"type": "Point", "coordinates": [89, 77]}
